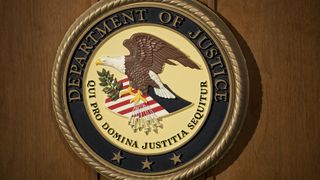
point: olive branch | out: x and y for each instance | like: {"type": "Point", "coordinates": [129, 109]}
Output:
{"type": "Point", "coordinates": [110, 84]}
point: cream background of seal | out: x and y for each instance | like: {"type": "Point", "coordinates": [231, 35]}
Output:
{"type": "Point", "coordinates": [184, 81]}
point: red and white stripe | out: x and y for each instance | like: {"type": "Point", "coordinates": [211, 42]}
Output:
{"type": "Point", "coordinates": [123, 106]}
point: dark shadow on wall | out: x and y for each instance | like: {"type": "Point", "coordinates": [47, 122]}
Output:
{"type": "Point", "coordinates": [254, 107]}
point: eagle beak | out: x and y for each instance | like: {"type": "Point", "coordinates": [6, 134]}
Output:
{"type": "Point", "coordinates": [99, 62]}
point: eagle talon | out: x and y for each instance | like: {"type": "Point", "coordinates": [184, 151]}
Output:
{"type": "Point", "coordinates": [138, 97]}
{"type": "Point", "coordinates": [126, 91]}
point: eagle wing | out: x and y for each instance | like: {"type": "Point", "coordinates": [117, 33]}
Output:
{"type": "Point", "coordinates": [154, 53]}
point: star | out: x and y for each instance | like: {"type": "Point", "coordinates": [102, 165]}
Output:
{"type": "Point", "coordinates": [146, 164]}
{"type": "Point", "coordinates": [176, 159]}
{"type": "Point", "coordinates": [117, 157]}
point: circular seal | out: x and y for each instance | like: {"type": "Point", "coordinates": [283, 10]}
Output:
{"type": "Point", "coordinates": [150, 89]}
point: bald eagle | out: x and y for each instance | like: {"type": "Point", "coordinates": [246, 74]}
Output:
{"type": "Point", "coordinates": [148, 55]}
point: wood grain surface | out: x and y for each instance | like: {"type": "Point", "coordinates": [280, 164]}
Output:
{"type": "Point", "coordinates": [31, 145]}
{"type": "Point", "coordinates": [280, 138]}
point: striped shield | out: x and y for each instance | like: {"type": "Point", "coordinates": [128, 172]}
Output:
{"type": "Point", "coordinates": [123, 107]}
{"type": "Point", "coordinates": [145, 116]}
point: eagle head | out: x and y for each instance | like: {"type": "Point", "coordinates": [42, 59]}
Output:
{"type": "Point", "coordinates": [115, 62]}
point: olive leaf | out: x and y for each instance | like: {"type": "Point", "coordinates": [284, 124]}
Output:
{"type": "Point", "coordinates": [110, 84]}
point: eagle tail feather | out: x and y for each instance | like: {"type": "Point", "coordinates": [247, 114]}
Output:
{"type": "Point", "coordinates": [164, 93]}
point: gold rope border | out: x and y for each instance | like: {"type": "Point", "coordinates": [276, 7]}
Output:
{"type": "Point", "coordinates": [238, 69]}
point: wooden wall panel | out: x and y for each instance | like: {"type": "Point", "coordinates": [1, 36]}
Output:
{"type": "Point", "coordinates": [31, 145]}
{"type": "Point", "coordinates": [281, 41]}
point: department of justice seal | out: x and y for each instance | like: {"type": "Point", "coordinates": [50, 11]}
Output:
{"type": "Point", "coordinates": [152, 89]}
